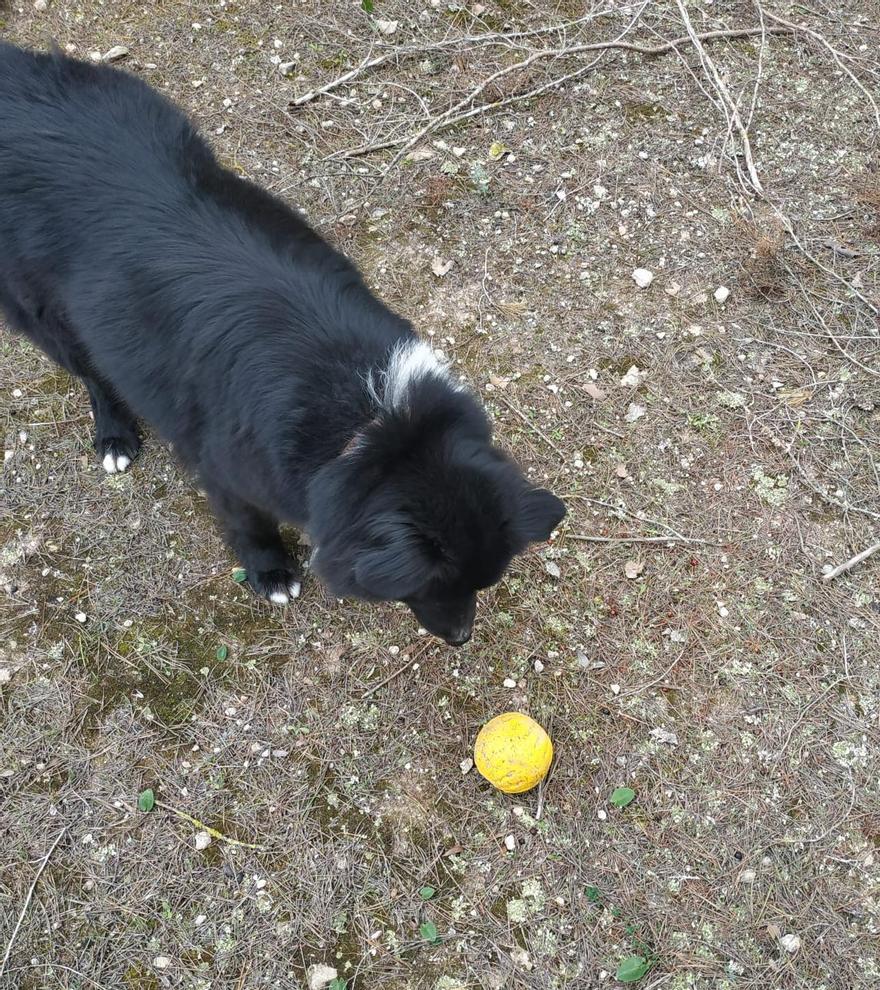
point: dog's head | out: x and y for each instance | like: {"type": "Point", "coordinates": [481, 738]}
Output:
{"type": "Point", "coordinates": [423, 509]}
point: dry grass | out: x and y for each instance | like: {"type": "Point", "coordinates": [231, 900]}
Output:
{"type": "Point", "coordinates": [757, 813]}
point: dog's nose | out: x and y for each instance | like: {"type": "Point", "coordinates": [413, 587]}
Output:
{"type": "Point", "coordinates": [460, 638]}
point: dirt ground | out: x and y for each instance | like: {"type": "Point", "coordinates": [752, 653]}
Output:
{"type": "Point", "coordinates": [718, 452]}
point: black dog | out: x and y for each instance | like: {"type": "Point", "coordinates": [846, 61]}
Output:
{"type": "Point", "coordinates": [184, 295]}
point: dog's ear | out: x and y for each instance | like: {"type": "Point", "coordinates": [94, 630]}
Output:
{"type": "Point", "coordinates": [396, 563]}
{"type": "Point", "coordinates": [540, 512]}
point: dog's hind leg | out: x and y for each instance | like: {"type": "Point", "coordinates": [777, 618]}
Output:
{"type": "Point", "coordinates": [116, 436]}
{"type": "Point", "coordinates": [254, 537]}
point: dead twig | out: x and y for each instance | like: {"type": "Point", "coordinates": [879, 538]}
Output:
{"type": "Point", "coordinates": [848, 565]}
{"type": "Point", "coordinates": [639, 539]}
{"type": "Point", "coordinates": [398, 52]}
{"type": "Point", "coordinates": [456, 114]}
{"type": "Point", "coordinates": [27, 899]}
{"type": "Point", "coordinates": [730, 105]}
{"type": "Point", "coordinates": [402, 670]}
{"type": "Point", "coordinates": [213, 832]}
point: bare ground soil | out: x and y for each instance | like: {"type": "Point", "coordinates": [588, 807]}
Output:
{"type": "Point", "coordinates": [676, 637]}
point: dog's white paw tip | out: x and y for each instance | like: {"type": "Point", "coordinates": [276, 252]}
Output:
{"type": "Point", "coordinates": [115, 463]}
{"type": "Point", "coordinates": [294, 588]}
{"type": "Point", "coordinates": [279, 597]}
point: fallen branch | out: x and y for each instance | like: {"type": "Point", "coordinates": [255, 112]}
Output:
{"type": "Point", "coordinates": [27, 899]}
{"type": "Point", "coordinates": [637, 539]}
{"type": "Point", "coordinates": [848, 565]}
{"type": "Point", "coordinates": [456, 114]}
{"type": "Point", "coordinates": [835, 54]}
{"type": "Point", "coordinates": [730, 105]}
{"type": "Point", "coordinates": [398, 52]}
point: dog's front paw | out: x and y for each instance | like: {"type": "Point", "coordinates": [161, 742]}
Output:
{"type": "Point", "coordinates": [117, 454]}
{"type": "Point", "coordinates": [279, 586]}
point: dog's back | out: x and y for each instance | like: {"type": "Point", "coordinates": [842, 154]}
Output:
{"type": "Point", "coordinates": [188, 288]}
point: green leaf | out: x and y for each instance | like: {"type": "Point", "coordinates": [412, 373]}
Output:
{"type": "Point", "coordinates": [222, 652]}
{"type": "Point", "coordinates": [146, 800]}
{"type": "Point", "coordinates": [239, 575]}
{"type": "Point", "coordinates": [593, 895]}
{"type": "Point", "coordinates": [632, 969]}
{"type": "Point", "coordinates": [622, 797]}
{"type": "Point", "coordinates": [426, 893]}
{"type": "Point", "coordinates": [429, 932]}
{"type": "Point", "coordinates": [339, 983]}
{"type": "Point", "coordinates": [369, 7]}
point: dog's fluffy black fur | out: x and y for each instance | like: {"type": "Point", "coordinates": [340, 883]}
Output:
{"type": "Point", "coordinates": [188, 297]}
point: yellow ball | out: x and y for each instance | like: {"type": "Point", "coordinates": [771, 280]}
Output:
{"type": "Point", "coordinates": [513, 752]}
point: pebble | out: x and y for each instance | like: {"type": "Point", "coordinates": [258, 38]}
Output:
{"type": "Point", "coordinates": [162, 962]}
{"type": "Point", "coordinates": [203, 840]}
{"type": "Point", "coordinates": [634, 411]}
{"type": "Point", "coordinates": [40, 5]}
{"type": "Point", "coordinates": [748, 876]}
{"type": "Point", "coordinates": [320, 975]}
{"type": "Point", "coordinates": [601, 814]}
{"type": "Point", "coordinates": [466, 765]}
{"type": "Point", "coordinates": [790, 942]}
{"type": "Point", "coordinates": [510, 842]}
{"type": "Point", "coordinates": [5, 675]}
{"type": "Point", "coordinates": [552, 568]}
{"type": "Point", "coordinates": [635, 376]}
{"type": "Point", "coordinates": [509, 682]}
{"type": "Point", "coordinates": [200, 919]}
{"type": "Point", "coordinates": [615, 689]}
{"type": "Point", "coordinates": [721, 294]}
{"type": "Point", "coordinates": [664, 736]}
{"type": "Point", "coordinates": [642, 277]}
{"type": "Point", "coordinates": [80, 616]}
{"type": "Point", "coordinates": [115, 54]}
{"type": "Point", "coordinates": [539, 667]}
{"type": "Point", "coordinates": [673, 289]}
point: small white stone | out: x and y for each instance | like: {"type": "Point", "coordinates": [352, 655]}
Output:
{"type": "Point", "coordinates": [552, 568]}
{"type": "Point", "coordinates": [510, 842]}
{"type": "Point", "coordinates": [601, 814]}
{"type": "Point", "coordinates": [790, 942]}
{"type": "Point", "coordinates": [615, 689]}
{"type": "Point", "coordinates": [16, 393]}
{"type": "Point", "coordinates": [673, 289]}
{"type": "Point", "coordinates": [200, 919]}
{"type": "Point", "coordinates": [40, 5]}
{"type": "Point", "coordinates": [115, 53]}
{"type": "Point", "coordinates": [466, 765]}
{"type": "Point", "coordinates": [162, 962]}
{"type": "Point", "coordinates": [394, 650]}
{"type": "Point", "coordinates": [80, 616]}
{"type": "Point", "coordinates": [664, 736]}
{"type": "Point", "coordinates": [634, 377]}
{"type": "Point", "coordinates": [5, 675]}
{"type": "Point", "coordinates": [320, 975]}
{"type": "Point", "coordinates": [539, 667]}
{"type": "Point", "coordinates": [509, 682]}
{"type": "Point", "coordinates": [721, 294]}
{"type": "Point", "coordinates": [642, 277]}
{"type": "Point", "coordinates": [203, 840]}
{"type": "Point", "coordinates": [747, 876]}
{"type": "Point", "coordinates": [634, 411]}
